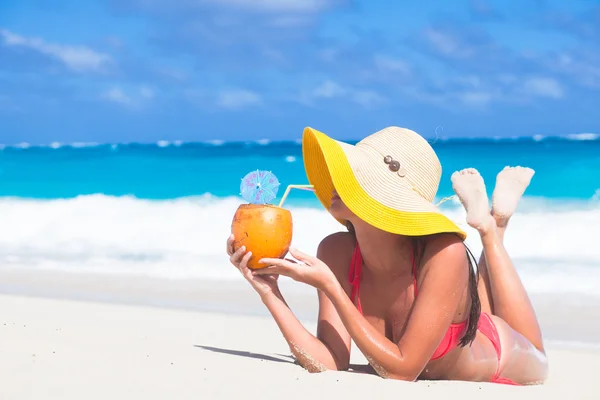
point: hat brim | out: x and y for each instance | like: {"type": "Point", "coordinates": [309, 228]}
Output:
{"type": "Point", "coordinates": [327, 167]}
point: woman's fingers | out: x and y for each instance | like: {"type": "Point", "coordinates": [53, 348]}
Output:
{"type": "Point", "coordinates": [270, 270]}
{"type": "Point", "coordinates": [230, 241]}
{"type": "Point", "coordinates": [237, 256]}
{"type": "Point", "coordinates": [245, 259]}
{"type": "Point", "coordinates": [299, 255]}
{"type": "Point", "coordinates": [277, 266]}
{"type": "Point", "coordinates": [243, 266]}
{"type": "Point", "coordinates": [274, 261]}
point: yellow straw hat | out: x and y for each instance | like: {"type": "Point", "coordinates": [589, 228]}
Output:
{"type": "Point", "coordinates": [389, 179]}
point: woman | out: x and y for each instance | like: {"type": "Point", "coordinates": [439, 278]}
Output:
{"type": "Point", "coordinates": [400, 283]}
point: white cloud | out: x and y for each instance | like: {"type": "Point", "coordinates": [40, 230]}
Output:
{"type": "Point", "coordinates": [471, 81]}
{"type": "Point", "coordinates": [450, 45]}
{"type": "Point", "coordinates": [477, 92]}
{"type": "Point", "coordinates": [331, 90]}
{"type": "Point", "coordinates": [238, 98]}
{"type": "Point", "coordinates": [507, 79]}
{"type": "Point", "coordinates": [287, 21]}
{"type": "Point", "coordinates": [328, 89]}
{"type": "Point", "coordinates": [328, 55]}
{"type": "Point", "coordinates": [583, 68]}
{"type": "Point", "coordinates": [392, 64]}
{"type": "Point", "coordinates": [367, 98]}
{"type": "Point", "coordinates": [76, 58]}
{"type": "Point", "coordinates": [464, 91]}
{"type": "Point", "coordinates": [117, 95]}
{"type": "Point", "coordinates": [173, 73]}
{"type": "Point", "coordinates": [543, 87]}
{"type": "Point", "coordinates": [130, 98]}
{"type": "Point", "coordinates": [475, 98]}
{"type": "Point", "coordinates": [443, 42]}
{"type": "Point", "coordinates": [146, 92]}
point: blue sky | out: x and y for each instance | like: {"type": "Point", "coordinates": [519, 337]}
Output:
{"type": "Point", "coordinates": [148, 70]}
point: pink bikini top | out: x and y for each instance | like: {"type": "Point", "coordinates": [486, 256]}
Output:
{"type": "Point", "coordinates": [454, 332]}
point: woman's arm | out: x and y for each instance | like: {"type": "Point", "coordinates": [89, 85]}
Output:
{"type": "Point", "coordinates": [445, 279]}
{"type": "Point", "coordinates": [312, 352]}
{"type": "Point", "coordinates": [330, 349]}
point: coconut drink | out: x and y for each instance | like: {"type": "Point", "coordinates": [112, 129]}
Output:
{"type": "Point", "coordinates": [265, 229]}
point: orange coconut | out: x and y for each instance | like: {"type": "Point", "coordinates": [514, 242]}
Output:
{"type": "Point", "coordinates": [265, 230]}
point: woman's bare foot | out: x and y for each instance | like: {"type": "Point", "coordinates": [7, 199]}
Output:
{"type": "Point", "coordinates": [511, 183]}
{"type": "Point", "coordinates": [470, 189]}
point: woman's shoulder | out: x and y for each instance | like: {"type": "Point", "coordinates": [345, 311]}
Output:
{"type": "Point", "coordinates": [443, 261]}
{"type": "Point", "coordinates": [335, 250]}
{"type": "Point", "coordinates": [445, 246]}
{"type": "Point", "coordinates": [336, 243]}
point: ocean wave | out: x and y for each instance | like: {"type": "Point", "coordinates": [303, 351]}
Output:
{"type": "Point", "coordinates": [554, 250]}
{"type": "Point", "coordinates": [575, 137]}
{"type": "Point", "coordinates": [53, 145]}
{"type": "Point", "coordinates": [583, 136]}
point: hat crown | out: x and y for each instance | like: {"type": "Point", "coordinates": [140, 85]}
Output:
{"type": "Point", "coordinates": [419, 161]}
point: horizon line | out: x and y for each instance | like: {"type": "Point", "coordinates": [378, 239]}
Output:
{"type": "Point", "coordinates": [298, 141]}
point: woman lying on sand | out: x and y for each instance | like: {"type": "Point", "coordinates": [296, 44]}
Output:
{"type": "Point", "coordinates": [400, 283]}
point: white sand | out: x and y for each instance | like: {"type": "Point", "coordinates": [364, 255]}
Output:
{"type": "Point", "coordinates": [65, 349]}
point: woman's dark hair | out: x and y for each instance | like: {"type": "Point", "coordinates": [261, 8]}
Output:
{"type": "Point", "coordinates": [350, 227]}
{"type": "Point", "coordinates": [475, 310]}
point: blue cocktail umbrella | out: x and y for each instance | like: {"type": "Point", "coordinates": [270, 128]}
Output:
{"type": "Point", "coordinates": [259, 187]}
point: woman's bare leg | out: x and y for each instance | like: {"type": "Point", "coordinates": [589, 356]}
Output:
{"type": "Point", "coordinates": [483, 286]}
{"type": "Point", "coordinates": [502, 210]}
{"type": "Point", "coordinates": [508, 296]}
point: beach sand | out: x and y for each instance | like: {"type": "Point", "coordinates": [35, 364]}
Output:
{"type": "Point", "coordinates": [82, 337]}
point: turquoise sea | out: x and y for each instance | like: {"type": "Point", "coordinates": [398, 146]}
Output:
{"type": "Point", "coordinates": [567, 168]}
{"type": "Point", "coordinates": [164, 209]}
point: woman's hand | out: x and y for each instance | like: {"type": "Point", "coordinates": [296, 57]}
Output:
{"type": "Point", "coordinates": [309, 270]}
{"type": "Point", "coordinates": [264, 285]}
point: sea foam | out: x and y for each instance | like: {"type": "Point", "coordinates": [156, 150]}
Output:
{"type": "Point", "coordinates": [554, 248]}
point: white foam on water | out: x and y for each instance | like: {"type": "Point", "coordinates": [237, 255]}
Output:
{"type": "Point", "coordinates": [583, 136]}
{"type": "Point", "coordinates": [586, 136]}
{"type": "Point", "coordinates": [554, 250]}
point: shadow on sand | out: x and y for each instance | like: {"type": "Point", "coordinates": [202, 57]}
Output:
{"type": "Point", "coordinates": [282, 358]}
{"type": "Point", "coordinates": [240, 353]}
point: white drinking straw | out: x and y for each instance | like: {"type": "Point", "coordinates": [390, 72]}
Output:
{"type": "Point", "coordinates": [287, 191]}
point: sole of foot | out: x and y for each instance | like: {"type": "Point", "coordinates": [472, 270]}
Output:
{"type": "Point", "coordinates": [511, 183]}
{"type": "Point", "coordinates": [470, 189]}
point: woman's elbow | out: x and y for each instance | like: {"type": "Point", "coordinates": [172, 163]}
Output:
{"type": "Point", "coordinates": [403, 375]}
{"type": "Point", "coordinates": [314, 366]}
